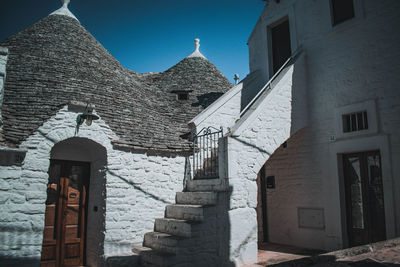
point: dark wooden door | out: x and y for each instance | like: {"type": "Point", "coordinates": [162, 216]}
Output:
{"type": "Point", "coordinates": [281, 50]}
{"type": "Point", "coordinates": [65, 218]}
{"type": "Point", "coordinates": [364, 198]}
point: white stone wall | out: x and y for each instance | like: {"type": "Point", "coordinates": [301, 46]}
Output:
{"type": "Point", "coordinates": [21, 227]}
{"type": "Point", "coordinates": [137, 188]}
{"type": "Point", "coordinates": [3, 64]}
{"type": "Point", "coordinates": [355, 62]}
{"type": "Point", "coordinates": [254, 138]}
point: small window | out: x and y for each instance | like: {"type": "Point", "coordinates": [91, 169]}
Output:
{"type": "Point", "coordinates": [183, 96]}
{"type": "Point", "coordinates": [342, 10]}
{"type": "Point", "coordinates": [356, 121]}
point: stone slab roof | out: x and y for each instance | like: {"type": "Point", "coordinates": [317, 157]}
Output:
{"type": "Point", "coordinates": [57, 60]}
{"type": "Point", "coordinates": [203, 82]}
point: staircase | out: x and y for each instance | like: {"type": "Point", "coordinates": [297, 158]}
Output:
{"type": "Point", "coordinates": [188, 235]}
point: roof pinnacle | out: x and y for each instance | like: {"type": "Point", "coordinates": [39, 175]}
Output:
{"type": "Point", "coordinates": [197, 44]}
{"type": "Point", "coordinates": [66, 2]}
{"type": "Point", "coordinates": [196, 52]}
{"type": "Point", "coordinates": [64, 10]}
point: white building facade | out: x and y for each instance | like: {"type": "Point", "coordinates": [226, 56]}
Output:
{"type": "Point", "coordinates": [314, 139]}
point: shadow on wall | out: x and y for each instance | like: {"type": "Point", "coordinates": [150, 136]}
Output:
{"type": "Point", "coordinates": [207, 99]}
{"type": "Point", "coordinates": [298, 122]}
{"type": "Point", "coordinates": [224, 229]}
{"type": "Point", "coordinates": [252, 84]}
{"type": "Point", "coordinates": [20, 262]}
{"type": "Point", "coordinates": [300, 109]}
{"type": "Point", "coordinates": [212, 238]}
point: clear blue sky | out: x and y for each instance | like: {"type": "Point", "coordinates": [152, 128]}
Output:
{"type": "Point", "coordinates": [154, 35]}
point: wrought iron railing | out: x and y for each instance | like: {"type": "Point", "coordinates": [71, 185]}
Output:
{"type": "Point", "coordinates": [205, 153]}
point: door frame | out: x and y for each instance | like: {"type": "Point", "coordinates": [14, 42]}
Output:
{"type": "Point", "coordinates": [272, 45]}
{"type": "Point", "coordinates": [365, 195]}
{"type": "Point", "coordinates": [335, 199]}
{"type": "Point", "coordinates": [60, 217]}
{"type": "Point", "coordinates": [275, 20]}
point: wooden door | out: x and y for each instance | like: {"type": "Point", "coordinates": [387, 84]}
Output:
{"type": "Point", "coordinates": [65, 218]}
{"type": "Point", "coordinates": [364, 198]}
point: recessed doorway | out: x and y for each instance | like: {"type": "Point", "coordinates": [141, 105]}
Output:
{"type": "Point", "coordinates": [280, 44]}
{"type": "Point", "coordinates": [64, 236]}
{"type": "Point", "coordinates": [365, 211]}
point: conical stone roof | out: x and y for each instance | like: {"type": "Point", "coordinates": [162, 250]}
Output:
{"type": "Point", "coordinates": [203, 82]}
{"type": "Point", "coordinates": [57, 60]}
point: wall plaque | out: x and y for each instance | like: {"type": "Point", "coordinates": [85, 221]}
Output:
{"type": "Point", "coordinates": [311, 218]}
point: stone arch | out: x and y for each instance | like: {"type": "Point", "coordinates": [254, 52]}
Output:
{"type": "Point", "coordinates": [86, 150]}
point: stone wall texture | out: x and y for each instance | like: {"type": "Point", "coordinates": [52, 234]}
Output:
{"type": "Point", "coordinates": [3, 64]}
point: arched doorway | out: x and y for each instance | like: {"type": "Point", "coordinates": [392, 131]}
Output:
{"type": "Point", "coordinates": [75, 205]}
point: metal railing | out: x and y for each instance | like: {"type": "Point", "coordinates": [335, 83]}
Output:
{"type": "Point", "coordinates": [267, 86]}
{"type": "Point", "coordinates": [205, 153]}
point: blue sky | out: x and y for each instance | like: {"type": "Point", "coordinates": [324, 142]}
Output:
{"type": "Point", "coordinates": [154, 35]}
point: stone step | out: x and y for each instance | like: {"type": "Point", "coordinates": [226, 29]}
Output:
{"type": "Point", "coordinates": [165, 242]}
{"type": "Point", "coordinates": [177, 227]}
{"type": "Point", "coordinates": [196, 198]}
{"type": "Point", "coordinates": [185, 212]}
{"type": "Point", "coordinates": [132, 260]}
{"type": "Point", "coordinates": [213, 185]}
{"type": "Point", "coordinates": [150, 257]}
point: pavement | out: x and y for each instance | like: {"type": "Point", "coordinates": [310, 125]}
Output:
{"type": "Point", "coordinates": [380, 254]}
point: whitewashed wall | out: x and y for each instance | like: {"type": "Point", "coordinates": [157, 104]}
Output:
{"type": "Point", "coordinates": [254, 138]}
{"type": "Point", "coordinates": [3, 64]}
{"type": "Point", "coordinates": [349, 64]}
{"type": "Point", "coordinates": [137, 188]}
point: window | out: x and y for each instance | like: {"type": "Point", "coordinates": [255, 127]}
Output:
{"type": "Point", "coordinates": [183, 96]}
{"type": "Point", "coordinates": [342, 10]}
{"type": "Point", "coordinates": [356, 121]}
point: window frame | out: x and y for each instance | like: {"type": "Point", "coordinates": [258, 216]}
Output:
{"type": "Point", "coordinates": [347, 121]}
{"type": "Point", "coordinates": [368, 106]}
